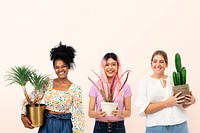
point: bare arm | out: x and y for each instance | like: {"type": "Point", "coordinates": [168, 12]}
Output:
{"type": "Point", "coordinates": [26, 122]}
{"type": "Point", "coordinates": [171, 101]}
{"type": "Point", "coordinates": [91, 112]}
{"type": "Point", "coordinates": [191, 100]}
{"type": "Point", "coordinates": [127, 111]}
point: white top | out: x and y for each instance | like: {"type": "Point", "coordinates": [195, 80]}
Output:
{"type": "Point", "coordinates": [150, 90]}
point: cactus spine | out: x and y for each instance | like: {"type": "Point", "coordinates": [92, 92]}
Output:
{"type": "Point", "coordinates": [179, 77]}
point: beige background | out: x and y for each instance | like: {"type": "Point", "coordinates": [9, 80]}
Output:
{"type": "Point", "coordinates": [133, 29]}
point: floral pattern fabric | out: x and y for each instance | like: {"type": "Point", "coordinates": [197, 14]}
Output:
{"type": "Point", "coordinates": [62, 101]}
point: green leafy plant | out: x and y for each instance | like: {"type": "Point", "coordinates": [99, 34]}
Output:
{"type": "Point", "coordinates": [38, 80]}
{"type": "Point", "coordinates": [110, 89]}
{"type": "Point", "coordinates": [21, 75]}
{"type": "Point", "coordinates": [179, 77]}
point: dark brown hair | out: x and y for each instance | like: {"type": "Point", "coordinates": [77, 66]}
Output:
{"type": "Point", "coordinates": [162, 53]}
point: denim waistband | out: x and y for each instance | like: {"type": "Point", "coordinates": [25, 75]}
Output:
{"type": "Point", "coordinates": [59, 116]}
{"type": "Point", "coordinates": [110, 123]}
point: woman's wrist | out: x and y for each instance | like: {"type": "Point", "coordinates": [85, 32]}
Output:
{"type": "Point", "coordinates": [23, 115]}
{"type": "Point", "coordinates": [121, 114]}
{"type": "Point", "coordinates": [98, 114]}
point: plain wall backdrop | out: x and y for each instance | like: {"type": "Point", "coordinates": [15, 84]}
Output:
{"type": "Point", "coordinates": [133, 29]}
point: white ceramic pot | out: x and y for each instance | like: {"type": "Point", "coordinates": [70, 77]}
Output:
{"type": "Point", "coordinates": [108, 107]}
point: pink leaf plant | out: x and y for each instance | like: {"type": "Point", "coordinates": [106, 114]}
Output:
{"type": "Point", "coordinates": [108, 92]}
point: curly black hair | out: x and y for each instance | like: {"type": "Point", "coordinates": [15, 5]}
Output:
{"type": "Point", "coordinates": [64, 53]}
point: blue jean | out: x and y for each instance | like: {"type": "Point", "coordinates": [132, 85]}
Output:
{"type": "Point", "coordinates": [109, 127]}
{"type": "Point", "coordinates": [178, 128]}
{"type": "Point", "coordinates": [56, 123]}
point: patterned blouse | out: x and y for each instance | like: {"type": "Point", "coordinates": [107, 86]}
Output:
{"type": "Point", "coordinates": [62, 101]}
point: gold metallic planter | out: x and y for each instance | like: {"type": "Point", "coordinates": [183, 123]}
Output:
{"type": "Point", "coordinates": [36, 114]}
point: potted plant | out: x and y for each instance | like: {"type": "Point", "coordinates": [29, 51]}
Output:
{"type": "Point", "coordinates": [21, 75]}
{"type": "Point", "coordinates": [179, 78]}
{"type": "Point", "coordinates": [109, 105]}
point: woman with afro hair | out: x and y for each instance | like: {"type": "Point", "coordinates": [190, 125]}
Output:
{"type": "Point", "coordinates": [63, 98]}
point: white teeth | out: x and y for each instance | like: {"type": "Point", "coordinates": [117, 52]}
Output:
{"type": "Point", "coordinates": [157, 68]}
{"type": "Point", "coordinates": [61, 72]}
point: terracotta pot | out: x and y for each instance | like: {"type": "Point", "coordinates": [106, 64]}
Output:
{"type": "Point", "coordinates": [181, 88]}
{"type": "Point", "coordinates": [108, 107]}
{"type": "Point", "coordinates": [35, 113]}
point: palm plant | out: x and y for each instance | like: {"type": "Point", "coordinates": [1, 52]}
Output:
{"type": "Point", "coordinates": [21, 75]}
{"type": "Point", "coordinates": [38, 81]}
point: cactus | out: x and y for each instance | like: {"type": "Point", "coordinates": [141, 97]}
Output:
{"type": "Point", "coordinates": [179, 77]}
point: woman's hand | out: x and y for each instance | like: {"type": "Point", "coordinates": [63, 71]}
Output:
{"type": "Point", "coordinates": [190, 100]}
{"type": "Point", "coordinates": [175, 100]}
{"type": "Point", "coordinates": [26, 122]}
{"type": "Point", "coordinates": [101, 114]}
{"type": "Point", "coordinates": [127, 109]}
{"type": "Point", "coordinates": [117, 113]}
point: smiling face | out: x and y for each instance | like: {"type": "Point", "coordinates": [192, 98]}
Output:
{"type": "Point", "coordinates": [61, 69]}
{"type": "Point", "coordinates": [110, 68]}
{"type": "Point", "coordinates": [158, 64]}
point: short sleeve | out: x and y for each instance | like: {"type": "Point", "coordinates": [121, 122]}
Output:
{"type": "Point", "coordinates": [141, 100]}
{"type": "Point", "coordinates": [93, 91]}
{"type": "Point", "coordinates": [127, 90]}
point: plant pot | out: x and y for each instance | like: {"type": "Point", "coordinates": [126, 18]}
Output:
{"type": "Point", "coordinates": [35, 113]}
{"type": "Point", "coordinates": [108, 107]}
{"type": "Point", "coordinates": [181, 88]}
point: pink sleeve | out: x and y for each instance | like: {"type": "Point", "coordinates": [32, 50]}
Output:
{"type": "Point", "coordinates": [127, 90]}
{"type": "Point", "coordinates": [93, 91]}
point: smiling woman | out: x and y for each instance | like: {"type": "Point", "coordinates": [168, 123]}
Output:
{"type": "Point", "coordinates": [164, 110]}
{"type": "Point", "coordinates": [110, 88]}
{"type": "Point", "coordinates": [60, 96]}
{"type": "Point", "coordinates": [61, 69]}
